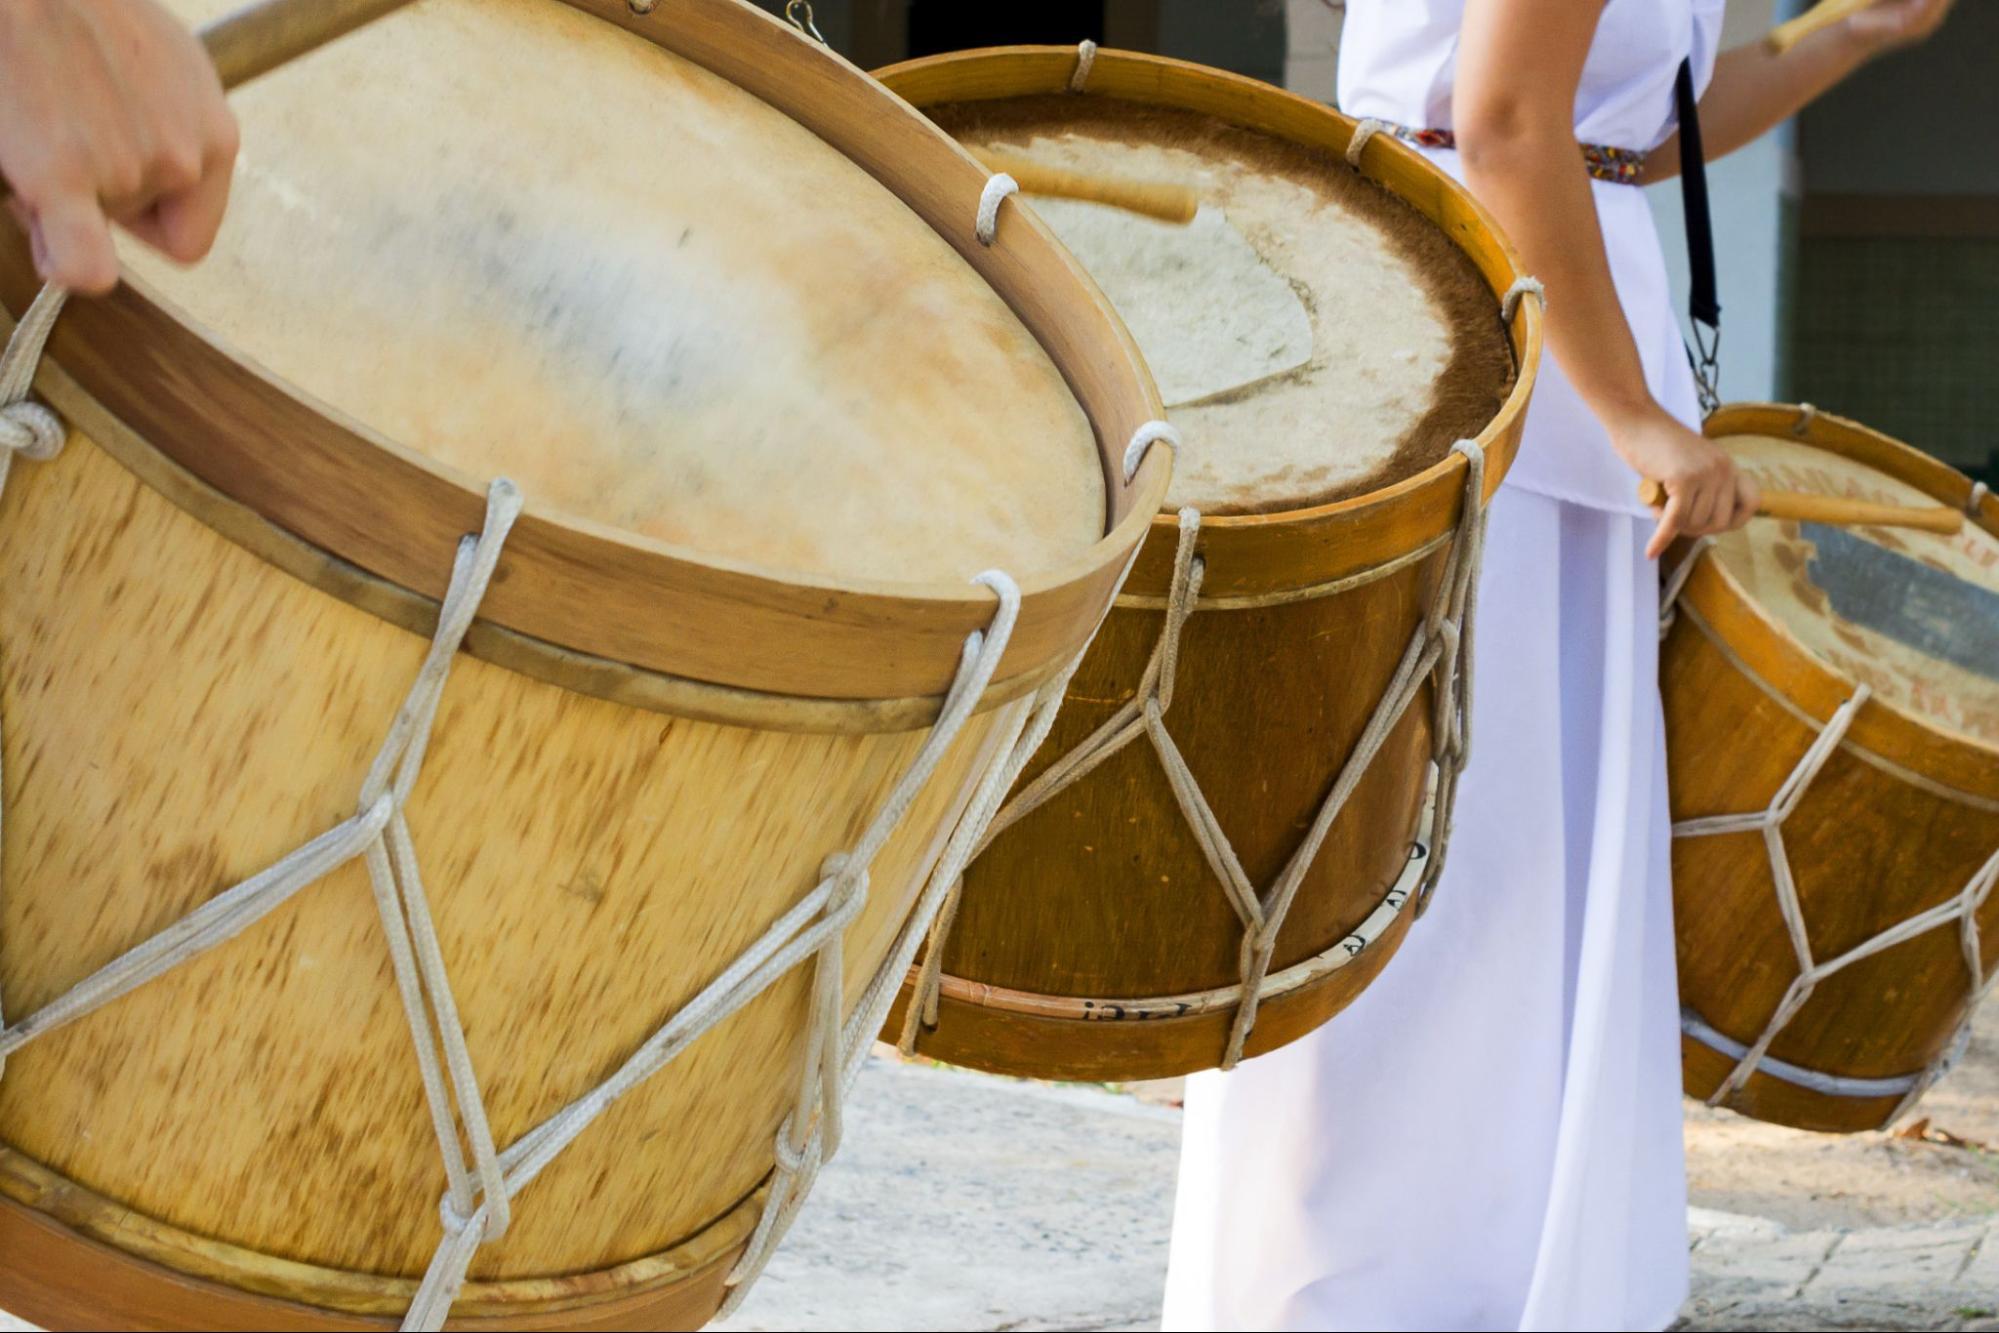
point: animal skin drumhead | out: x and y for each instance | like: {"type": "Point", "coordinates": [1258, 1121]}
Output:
{"type": "Point", "coordinates": [1210, 312]}
{"type": "Point", "coordinates": [1914, 615]}
{"type": "Point", "coordinates": [1314, 336]}
{"type": "Point", "coordinates": [514, 238]}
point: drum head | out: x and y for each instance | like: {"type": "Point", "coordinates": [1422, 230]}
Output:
{"type": "Point", "coordinates": [1912, 614]}
{"type": "Point", "coordinates": [512, 237]}
{"type": "Point", "coordinates": [1313, 336]}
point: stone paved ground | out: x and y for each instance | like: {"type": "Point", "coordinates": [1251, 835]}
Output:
{"type": "Point", "coordinates": [963, 1202]}
{"type": "Point", "coordinates": [984, 1204]}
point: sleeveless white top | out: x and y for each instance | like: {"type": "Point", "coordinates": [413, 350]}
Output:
{"type": "Point", "coordinates": [1398, 63]}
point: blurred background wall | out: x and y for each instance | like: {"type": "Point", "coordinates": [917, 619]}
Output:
{"type": "Point", "coordinates": [1858, 247]}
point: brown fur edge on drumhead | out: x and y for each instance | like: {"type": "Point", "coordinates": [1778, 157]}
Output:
{"type": "Point", "coordinates": [1480, 373]}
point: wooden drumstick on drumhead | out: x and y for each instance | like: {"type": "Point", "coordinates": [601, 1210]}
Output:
{"type": "Point", "coordinates": [1154, 199]}
{"type": "Point", "coordinates": [268, 33]}
{"type": "Point", "coordinates": [1837, 511]}
{"type": "Point", "coordinates": [1816, 19]}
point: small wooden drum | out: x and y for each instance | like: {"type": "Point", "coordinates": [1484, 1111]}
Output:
{"type": "Point", "coordinates": [1832, 712]}
{"type": "Point", "coordinates": [1222, 842]}
{"type": "Point", "coordinates": [738, 692]}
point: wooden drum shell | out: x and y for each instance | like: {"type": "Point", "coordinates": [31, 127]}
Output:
{"type": "Point", "coordinates": [1103, 895]}
{"type": "Point", "coordinates": [1902, 817]}
{"type": "Point", "coordinates": [202, 652]}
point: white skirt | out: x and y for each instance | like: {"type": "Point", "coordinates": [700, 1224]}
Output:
{"type": "Point", "coordinates": [1489, 1138]}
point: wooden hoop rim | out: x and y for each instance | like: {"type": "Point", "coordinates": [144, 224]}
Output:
{"type": "Point", "coordinates": [117, 1264]}
{"type": "Point", "coordinates": [1302, 975]}
{"type": "Point", "coordinates": [582, 587]}
{"type": "Point", "coordinates": [1255, 557]}
{"type": "Point", "coordinates": [1775, 655]}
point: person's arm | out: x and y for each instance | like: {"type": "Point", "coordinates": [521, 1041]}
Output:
{"type": "Point", "coordinates": [1519, 65]}
{"type": "Point", "coordinates": [1755, 89]}
{"type": "Point", "coordinates": [110, 112]}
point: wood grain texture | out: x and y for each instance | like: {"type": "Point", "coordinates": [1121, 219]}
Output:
{"type": "Point", "coordinates": [605, 593]}
{"type": "Point", "coordinates": [1899, 820]}
{"type": "Point", "coordinates": [1164, 200]}
{"type": "Point", "coordinates": [259, 37]}
{"type": "Point", "coordinates": [179, 714]}
{"type": "Point", "coordinates": [1836, 510]}
{"type": "Point", "coordinates": [1812, 22]}
{"type": "Point", "coordinates": [1104, 892]}
{"type": "Point", "coordinates": [58, 1277]}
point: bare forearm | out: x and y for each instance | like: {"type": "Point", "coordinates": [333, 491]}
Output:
{"type": "Point", "coordinates": [1755, 90]}
{"type": "Point", "coordinates": [1520, 63]}
{"type": "Point", "coordinates": [1545, 204]}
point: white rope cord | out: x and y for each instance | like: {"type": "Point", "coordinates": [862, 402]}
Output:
{"type": "Point", "coordinates": [1975, 504]}
{"type": "Point", "coordinates": [27, 427]}
{"type": "Point", "coordinates": [1807, 414]}
{"type": "Point", "coordinates": [999, 189]}
{"type": "Point", "coordinates": [1523, 286]}
{"type": "Point", "coordinates": [1363, 134]}
{"type": "Point", "coordinates": [1440, 650]}
{"type": "Point", "coordinates": [1961, 909]}
{"type": "Point", "coordinates": [1086, 60]}
{"type": "Point", "coordinates": [477, 1201]}
{"type": "Point", "coordinates": [1676, 583]}
{"type": "Point", "coordinates": [815, 928]}
{"type": "Point", "coordinates": [1151, 433]}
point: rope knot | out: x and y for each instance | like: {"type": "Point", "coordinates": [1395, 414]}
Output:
{"type": "Point", "coordinates": [790, 1157]}
{"type": "Point", "coordinates": [453, 1219]}
{"type": "Point", "coordinates": [848, 885]}
{"type": "Point", "coordinates": [31, 430]}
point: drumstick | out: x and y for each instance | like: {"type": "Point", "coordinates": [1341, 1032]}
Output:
{"type": "Point", "coordinates": [1154, 199]}
{"type": "Point", "coordinates": [1819, 17]}
{"type": "Point", "coordinates": [261, 36]}
{"type": "Point", "coordinates": [1839, 512]}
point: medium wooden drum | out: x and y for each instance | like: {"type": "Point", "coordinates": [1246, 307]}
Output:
{"type": "Point", "coordinates": [1832, 713]}
{"type": "Point", "coordinates": [823, 494]}
{"type": "Point", "coordinates": [1243, 800]}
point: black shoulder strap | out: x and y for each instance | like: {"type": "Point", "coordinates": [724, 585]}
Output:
{"type": "Point", "coordinates": [1705, 307]}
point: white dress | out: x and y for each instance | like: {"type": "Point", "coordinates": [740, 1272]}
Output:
{"type": "Point", "coordinates": [1489, 1138]}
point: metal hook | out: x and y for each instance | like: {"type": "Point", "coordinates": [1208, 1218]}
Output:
{"type": "Point", "coordinates": [798, 13]}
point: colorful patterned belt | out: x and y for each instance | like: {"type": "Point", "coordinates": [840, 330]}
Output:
{"type": "Point", "coordinates": [1619, 166]}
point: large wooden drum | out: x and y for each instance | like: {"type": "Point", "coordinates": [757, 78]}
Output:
{"type": "Point", "coordinates": [1226, 836]}
{"type": "Point", "coordinates": [1832, 712]}
{"type": "Point", "coordinates": [737, 687]}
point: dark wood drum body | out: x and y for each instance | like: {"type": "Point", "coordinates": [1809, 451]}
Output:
{"type": "Point", "coordinates": [1832, 710]}
{"type": "Point", "coordinates": [1096, 937]}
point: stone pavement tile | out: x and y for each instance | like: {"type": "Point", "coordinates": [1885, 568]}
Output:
{"type": "Point", "coordinates": [1918, 1260]}
{"type": "Point", "coordinates": [965, 1202]}
{"type": "Point", "coordinates": [1981, 1274]}
{"type": "Point", "coordinates": [1761, 1267]}
{"type": "Point", "coordinates": [1710, 1225]}
{"type": "Point", "coordinates": [1817, 1316]}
